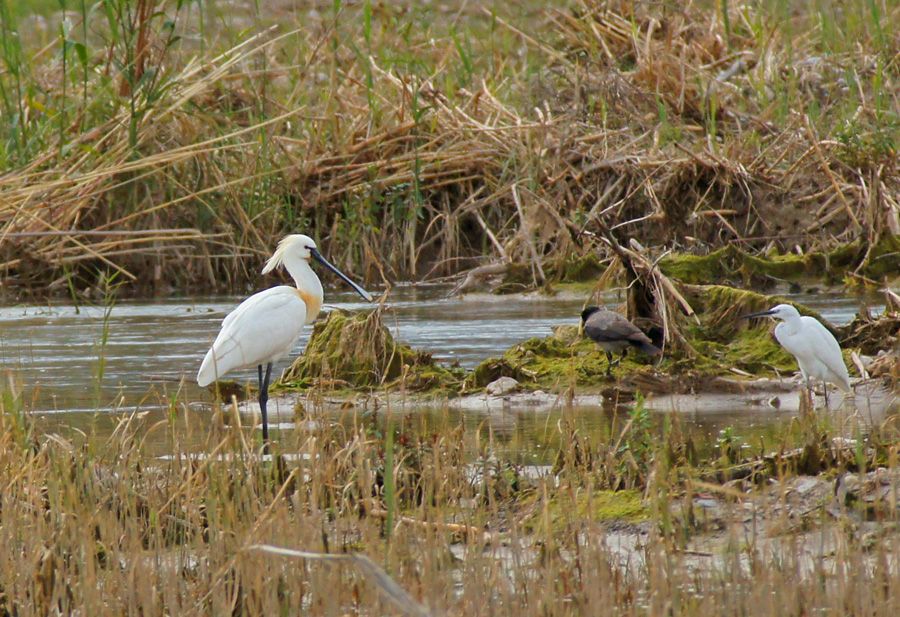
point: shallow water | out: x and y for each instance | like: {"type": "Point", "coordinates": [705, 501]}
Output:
{"type": "Point", "coordinates": [54, 353]}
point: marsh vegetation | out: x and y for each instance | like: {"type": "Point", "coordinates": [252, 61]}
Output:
{"type": "Point", "coordinates": [692, 162]}
{"type": "Point", "coordinates": [173, 142]}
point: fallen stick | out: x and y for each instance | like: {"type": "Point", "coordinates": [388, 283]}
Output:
{"type": "Point", "coordinates": [391, 590]}
{"type": "Point", "coordinates": [477, 273]}
{"type": "Point", "coordinates": [487, 537]}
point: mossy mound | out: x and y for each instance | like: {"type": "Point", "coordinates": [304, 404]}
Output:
{"type": "Point", "coordinates": [720, 309]}
{"type": "Point", "coordinates": [754, 350]}
{"type": "Point", "coordinates": [599, 506]}
{"type": "Point", "coordinates": [720, 341]}
{"type": "Point", "coordinates": [542, 361]}
{"type": "Point", "coordinates": [562, 359]}
{"type": "Point", "coordinates": [732, 264]}
{"type": "Point", "coordinates": [723, 340]}
{"type": "Point", "coordinates": [356, 350]}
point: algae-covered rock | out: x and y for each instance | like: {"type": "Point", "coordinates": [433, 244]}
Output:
{"type": "Point", "coordinates": [491, 370]}
{"type": "Point", "coordinates": [356, 350]}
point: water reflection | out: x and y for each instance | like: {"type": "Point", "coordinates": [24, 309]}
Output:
{"type": "Point", "coordinates": [520, 437]}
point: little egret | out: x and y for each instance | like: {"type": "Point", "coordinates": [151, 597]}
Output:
{"type": "Point", "coordinates": [614, 333]}
{"type": "Point", "coordinates": [817, 351]}
{"type": "Point", "coordinates": [266, 326]}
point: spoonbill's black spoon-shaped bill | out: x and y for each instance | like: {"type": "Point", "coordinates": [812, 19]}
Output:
{"type": "Point", "coordinates": [266, 326]}
{"type": "Point", "coordinates": [817, 351]}
{"type": "Point", "coordinates": [614, 334]}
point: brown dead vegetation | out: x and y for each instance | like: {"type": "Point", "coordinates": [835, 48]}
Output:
{"type": "Point", "coordinates": [665, 124]}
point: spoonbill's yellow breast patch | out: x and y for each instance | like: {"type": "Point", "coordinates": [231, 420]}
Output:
{"type": "Point", "coordinates": [313, 304]}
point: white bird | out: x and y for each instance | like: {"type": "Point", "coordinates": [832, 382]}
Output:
{"type": "Point", "coordinates": [817, 351]}
{"type": "Point", "coordinates": [266, 326]}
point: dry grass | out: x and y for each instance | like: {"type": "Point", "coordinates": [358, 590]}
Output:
{"type": "Point", "coordinates": [104, 528]}
{"type": "Point", "coordinates": [415, 141]}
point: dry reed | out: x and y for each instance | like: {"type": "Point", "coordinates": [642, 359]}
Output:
{"type": "Point", "coordinates": [417, 155]}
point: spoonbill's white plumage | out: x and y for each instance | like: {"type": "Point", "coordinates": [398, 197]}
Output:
{"type": "Point", "coordinates": [817, 351]}
{"type": "Point", "coordinates": [266, 326]}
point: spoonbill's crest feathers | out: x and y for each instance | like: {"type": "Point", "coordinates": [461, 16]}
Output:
{"type": "Point", "coordinates": [294, 245]}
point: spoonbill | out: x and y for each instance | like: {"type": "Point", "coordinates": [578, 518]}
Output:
{"type": "Point", "coordinates": [614, 333]}
{"type": "Point", "coordinates": [817, 351]}
{"type": "Point", "coordinates": [266, 326]}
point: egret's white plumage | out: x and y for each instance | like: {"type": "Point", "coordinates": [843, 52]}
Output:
{"type": "Point", "coordinates": [266, 326]}
{"type": "Point", "coordinates": [817, 351]}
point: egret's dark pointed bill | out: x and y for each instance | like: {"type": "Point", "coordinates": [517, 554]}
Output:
{"type": "Point", "coordinates": [365, 294]}
{"type": "Point", "coordinates": [760, 314]}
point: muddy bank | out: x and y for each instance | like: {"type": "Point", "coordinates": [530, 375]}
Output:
{"type": "Point", "coordinates": [812, 520]}
{"type": "Point", "coordinates": [765, 399]}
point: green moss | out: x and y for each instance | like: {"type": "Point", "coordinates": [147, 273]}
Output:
{"type": "Point", "coordinates": [517, 278]}
{"type": "Point", "coordinates": [753, 350]}
{"type": "Point", "coordinates": [884, 260]}
{"type": "Point", "coordinates": [732, 263]}
{"type": "Point", "coordinates": [563, 359]}
{"type": "Point", "coordinates": [356, 350]}
{"type": "Point", "coordinates": [581, 269]}
{"type": "Point", "coordinates": [720, 309]}
{"type": "Point", "coordinates": [722, 340]}
{"type": "Point", "coordinates": [696, 269]}
{"type": "Point", "coordinates": [592, 506]}
{"type": "Point", "coordinates": [553, 362]}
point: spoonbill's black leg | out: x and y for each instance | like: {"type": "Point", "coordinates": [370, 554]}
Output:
{"type": "Point", "coordinates": [825, 390]}
{"type": "Point", "coordinates": [609, 364]}
{"type": "Point", "coordinates": [263, 399]}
